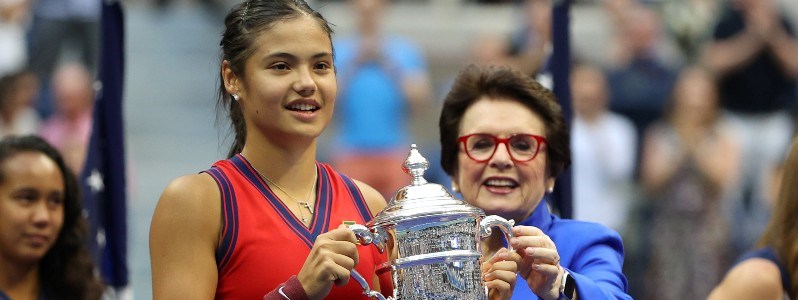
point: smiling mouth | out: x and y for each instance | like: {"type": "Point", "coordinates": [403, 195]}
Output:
{"type": "Point", "coordinates": [302, 107]}
{"type": "Point", "coordinates": [501, 183]}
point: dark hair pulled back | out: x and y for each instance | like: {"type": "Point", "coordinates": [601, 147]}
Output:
{"type": "Point", "coordinates": [243, 24]}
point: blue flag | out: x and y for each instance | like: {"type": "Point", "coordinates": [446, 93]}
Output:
{"type": "Point", "coordinates": [103, 176]}
{"type": "Point", "coordinates": [560, 69]}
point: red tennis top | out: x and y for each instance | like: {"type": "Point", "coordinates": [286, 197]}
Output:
{"type": "Point", "coordinates": [262, 243]}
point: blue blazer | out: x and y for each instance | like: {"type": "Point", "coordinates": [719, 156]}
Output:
{"type": "Point", "coordinates": [591, 252]}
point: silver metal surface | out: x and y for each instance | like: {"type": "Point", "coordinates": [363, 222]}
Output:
{"type": "Point", "coordinates": [432, 240]}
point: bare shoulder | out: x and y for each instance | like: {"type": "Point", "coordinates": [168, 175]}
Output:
{"type": "Point", "coordinates": [374, 199]}
{"type": "Point", "coordinates": [754, 278]}
{"type": "Point", "coordinates": [183, 238]}
{"type": "Point", "coordinates": [189, 197]}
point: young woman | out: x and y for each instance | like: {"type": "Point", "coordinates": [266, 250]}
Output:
{"type": "Point", "coordinates": [267, 221]}
{"type": "Point", "coordinates": [42, 234]}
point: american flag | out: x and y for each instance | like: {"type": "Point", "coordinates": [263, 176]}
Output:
{"type": "Point", "coordinates": [103, 176]}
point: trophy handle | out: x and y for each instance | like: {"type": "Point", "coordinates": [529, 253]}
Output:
{"type": "Point", "coordinates": [365, 237]}
{"type": "Point", "coordinates": [366, 289]}
{"type": "Point", "coordinates": [491, 221]}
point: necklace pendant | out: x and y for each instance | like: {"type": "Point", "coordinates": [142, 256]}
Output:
{"type": "Point", "coordinates": [306, 205]}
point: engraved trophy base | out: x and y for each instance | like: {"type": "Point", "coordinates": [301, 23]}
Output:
{"type": "Point", "coordinates": [452, 280]}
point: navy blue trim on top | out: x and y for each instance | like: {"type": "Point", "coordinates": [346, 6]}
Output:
{"type": "Point", "coordinates": [3, 296]}
{"type": "Point", "coordinates": [230, 211]}
{"type": "Point", "coordinates": [307, 235]}
{"type": "Point", "coordinates": [323, 206]}
{"type": "Point", "coordinates": [360, 202]}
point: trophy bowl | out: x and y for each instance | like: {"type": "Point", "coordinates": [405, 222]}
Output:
{"type": "Point", "coordinates": [432, 239]}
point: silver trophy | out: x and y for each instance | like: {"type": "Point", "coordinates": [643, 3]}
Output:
{"type": "Point", "coordinates": [432, 239]}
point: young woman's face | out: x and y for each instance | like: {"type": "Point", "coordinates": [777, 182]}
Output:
{"type": "Point", "coordinates": [289, 88]}
{"type": "Point", "coordinates": [31, 207]}
{"type": "Point", "coordinates": [502, 186]}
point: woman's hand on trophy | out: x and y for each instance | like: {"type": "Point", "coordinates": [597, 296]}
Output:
{"type": "Point", "coordinates": [540, 261]}
{"type": "Point", "coordinates": [330, 261]}
{"type": "Point", "coordinates": [499, 272]}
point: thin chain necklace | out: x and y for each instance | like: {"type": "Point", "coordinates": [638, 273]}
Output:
{"type": "Point", "coordinates": [300, 204]}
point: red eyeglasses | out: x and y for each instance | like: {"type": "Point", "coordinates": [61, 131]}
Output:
{"type": "Point", "coordinates": [480, 147]}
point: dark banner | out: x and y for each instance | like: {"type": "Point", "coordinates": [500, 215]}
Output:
{"type": "Point", "coordinates": [103, 177]}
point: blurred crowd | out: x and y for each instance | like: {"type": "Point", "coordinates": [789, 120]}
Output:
{"type": "Point", "coordinates": [707, 130]}
{"type": "Point", "coordinates": [48, 57]}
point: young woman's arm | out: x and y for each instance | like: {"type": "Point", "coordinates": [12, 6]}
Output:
{"type": "Point", "coordinates": [183, 237]}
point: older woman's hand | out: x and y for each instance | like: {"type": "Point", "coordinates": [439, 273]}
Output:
{"type": "Point", "coordinates": [499, 272]}
{"type": "Point", "coordinates": [540, 262]}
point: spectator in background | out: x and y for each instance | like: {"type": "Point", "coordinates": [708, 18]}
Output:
{"type": "Point", "coordinates": [530, 46]}
{"type": "Point", "coordinates": [490, 48]}
{"type": "Point", "coordinates": [43, 250]}
{"type": "Point", "coordinates": [69, 128]}
{"type": "Point", "coordinates": [56, 25]}
{"type": "Point", "coordinates": [603, 145]}
{"type": "Point", "coordinates": [18, 93]}
{"type": "Point", "coordinates": [383, 83]}
{"type": "Point", "coordinates": [753, 53]}
{"type": "Point", "coordinates": [770, 271]}
{"type": "Point", "coordinates": [639, 76]}
{"type": "Point", "coordinates": [690, 22]}
{"type": "Point", "coordinates": [13, 52]}
{"type": "Point", "coordinates": [688, 167]}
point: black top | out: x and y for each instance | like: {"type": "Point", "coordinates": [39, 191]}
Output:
{"type": "Point", "coordinates": [760, 86]}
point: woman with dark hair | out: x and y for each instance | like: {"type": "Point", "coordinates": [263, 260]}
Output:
{"type": "Point", "coordinates": [268, 220]}
{"type": "Point", "coordinates": [770, 272]}
{"type": "Point", "coordinates": [504, 141]}
{"type": "Point", "coordinates": [43, 250]}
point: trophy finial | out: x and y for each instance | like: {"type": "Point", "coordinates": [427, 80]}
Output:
{"type": "Point", "coordinates": [415, 165]}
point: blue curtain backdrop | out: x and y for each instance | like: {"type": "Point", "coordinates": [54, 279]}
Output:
{"type": "Point", "coordinates": [103, 176]}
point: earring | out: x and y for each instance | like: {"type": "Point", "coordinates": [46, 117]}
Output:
{"type": "Point", "coordinates": [550, 189]}
{"type": "Point", "coordinates": [455, 188]}
{"type": "Point", "coordinates": [235, 96]}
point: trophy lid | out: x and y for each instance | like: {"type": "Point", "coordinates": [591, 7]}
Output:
{"type": "Point", "coordinates": [421, 198]}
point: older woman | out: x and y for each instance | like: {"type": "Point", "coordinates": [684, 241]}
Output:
{"type": "Point", "coordinates": [504, 141]}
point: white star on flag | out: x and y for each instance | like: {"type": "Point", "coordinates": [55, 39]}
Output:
{"type": "Point", "coordinates": [95, 181]}
{"type": "Point", "coordinates": [101, 237]}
